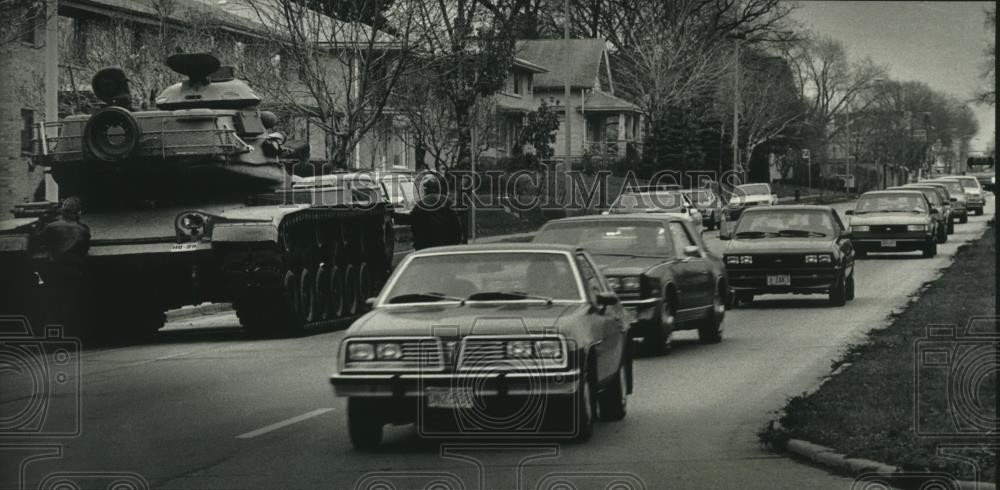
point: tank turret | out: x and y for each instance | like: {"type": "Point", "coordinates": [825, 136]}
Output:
{"type": "Point", "coordinates": [212, 117]}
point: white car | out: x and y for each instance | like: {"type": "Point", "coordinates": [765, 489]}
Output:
{"type": "Point", "coordinates": [657, 202]}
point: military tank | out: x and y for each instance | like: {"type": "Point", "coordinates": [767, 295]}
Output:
{"type": "Point", "coordinates": [196, 201]}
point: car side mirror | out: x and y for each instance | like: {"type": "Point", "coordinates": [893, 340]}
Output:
{"type": "Point", "coordinates": [846, 235]}
{"type": "Point", "coordinates": [849, 212]}
{"type": "Point", "coordinates": [692, 251]}
{"type": "Point", "coordinates": [725, 235]}
{"type": "Point", "coordinates": [370, 302]}
{"type": "Point", "coordinates": [607, 299]}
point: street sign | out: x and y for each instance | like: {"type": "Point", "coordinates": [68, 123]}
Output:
{"type": "Point", "coordinates": [805, 154]}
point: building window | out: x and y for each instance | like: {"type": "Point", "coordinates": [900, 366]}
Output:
{"type": "Point", "coordinates": [32, 22]}
{"type": "Point", "coordinates": [530, 88]}
{"type": "Point", "coordinates": [517, 85]}
{"type": "Point", "coordinates": [27, 127]}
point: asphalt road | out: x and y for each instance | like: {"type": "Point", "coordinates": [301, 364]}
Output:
{"type": "Point", "coordinates": [203, 407]}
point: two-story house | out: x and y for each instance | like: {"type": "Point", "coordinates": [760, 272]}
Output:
{"type": "Point", "coordinates": [514, 101]}
{"type": "Point", "coordinates": [600, 123]}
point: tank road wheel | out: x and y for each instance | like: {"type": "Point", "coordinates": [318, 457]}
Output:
{"type": "Point", "coordinates": [335, 308]}
{"type": "Point", "coordinates": [307, 297]}
{"type": "Point", "coordinates": [350, 290]}
{"type": "Point", "coordinates": [321, 286]}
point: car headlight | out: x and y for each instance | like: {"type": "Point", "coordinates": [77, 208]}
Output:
{"type": "Point", "coordinates": [732, 259]}
{"type": "Point", "coordinates": [746, 259]}
{"type": "Point", "coordinates": [916, 227]}
{"type": "Point", "coordinates": [389, 351]}
{"type": "Point", "coordinates": [519, 349]}
{"type": "Point", "coordinates": [549, 349]}
{"type": "Point", "coordinates": [359, 351]}
{"type": "Point", "coordinates": [825, 258]}
{"type": "Point", "coordinates": [860, 228]}
{"type": "Point", "coordinates": [811, 259]}
{"type": "Point", "coordinates": [631, 282]}
{"type": "Point", "coordinates": [993, 180]}
{"type": "Point", "coordinates": [614, 282]}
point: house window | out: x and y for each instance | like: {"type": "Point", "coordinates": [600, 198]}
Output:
{"type": "Point", "coordinates": [31, 33]}
{"type": "Point", "coordinates": [517, 84]}
{"type": "Point", "coordinates": [27, 127]}
{"type": "Point", "coordinates": [530, 88]}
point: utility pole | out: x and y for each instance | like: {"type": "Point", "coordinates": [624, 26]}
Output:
{"type": "Point", "coordinates": [474, 142]}
{"type": "Point", "coordinates": [566, 98]}
{"type": "Point", "coordinates": [51, 79]}
{"type": "Point", "coordinates": [736, 110]}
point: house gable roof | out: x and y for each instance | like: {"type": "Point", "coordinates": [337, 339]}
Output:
{"type": "Point", "coordinates": [581, 63]}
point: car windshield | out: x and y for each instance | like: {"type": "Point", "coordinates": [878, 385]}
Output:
{"type": "Point", "coordinates": [969, 182]}
{"type": "Point", "coordinates": [931, 194]}
{"type": "Point", "coordinates": [785, 223]}
{"type": "Point", "coordinates": [752, 190]}
{"type": "Point", "coordinates": [457, 276]}
{"type": "Point", "coordinates": [952, 186]}
{"type": "Point", "coordinates": [672, 202]}
{"type": "Point", "coordinates": [704, 198]}
{"type": "Point", "coordinates": [891, 203]}
{"type": "Point", "coordinates": [644, 238]}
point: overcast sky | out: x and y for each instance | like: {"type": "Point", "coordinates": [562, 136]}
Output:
{"type": "Point", "coordinates": [940, 43]}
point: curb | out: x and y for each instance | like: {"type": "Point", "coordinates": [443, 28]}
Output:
{"type": "Point", "coordinates": [871, 470]}
{"type": "Point", "coordinates": [197, 310]}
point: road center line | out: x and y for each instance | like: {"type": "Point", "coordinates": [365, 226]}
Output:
{"type": "Point", "coordinates": [283, 423]}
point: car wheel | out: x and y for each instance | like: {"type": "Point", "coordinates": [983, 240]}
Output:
{"type": "Point", "coordinates": [942, 235]}
{"type": "Point", "coordinates": [584, 408]}
{"type": "Point", "coordinates": [850, 288]}
{"type": "Point", "coordinates": [860, 254]}
{"type": "Point", "coordinates": [838, 295]}
{"type": "Point", "coordinates": [744, 298]}
{"type": "Point", "coordinates": [930, 250]}
{"type": "Point", "coordinates": [613, 401]}
{"type": "Point", "coordinates": [710, 331]}
{"type": "Point", "coordinates": [951, 226]}
{"type": "Point", "coordinates": [963, 220]}
{"type": "Point", "coordinates": [660, 340]}
{"type": "Point", "coordinates": [979, 212]}
{"type": "Point", "coordinates": [364, 426]}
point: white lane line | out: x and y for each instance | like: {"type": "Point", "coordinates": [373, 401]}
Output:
{"type": "Point", "coordinates": [283, 423]}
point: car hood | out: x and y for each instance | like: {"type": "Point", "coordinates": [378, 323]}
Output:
{"type": "Point", "coordinates": [751, 199]}
{"type": "Point", "coordinates": [780, 245]}
{"type": "Point", "coordinates": [889, 219]}
{"type": "Point", "coordinates": [492, 318]}
{"type": "Point", "coordinates": [621, 266]}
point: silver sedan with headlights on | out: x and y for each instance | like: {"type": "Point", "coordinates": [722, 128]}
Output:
{"type": "Point", "coordinates": [507, 340]}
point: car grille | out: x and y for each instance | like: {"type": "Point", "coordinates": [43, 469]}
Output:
{"type": "Point", "coordinates": [419, 354]}
{"type": "Point", "coordinates": [489, 354]}
{"type": "Point", "coordinates": [887, 228]}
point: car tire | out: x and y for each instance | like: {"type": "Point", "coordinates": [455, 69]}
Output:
{"type": "Point", "coordinates": [942, 235]}
{"type": "Point", "coordinates": [710, 330]}
{"type": "Point", "coordinates": [613, 401]}
{"type": "Point", "coordinates": [860, 254]}
{"type": "Point", "coordinates": [660, 340]}
{"type": "Point", "coordinates": [744, 298]}
{"type": "Point", "coordinates": [849, 290]}
{"type": "Point", "coordinates": [979, 212]}
{"type": "Point", "coordinates": [930, 250]}
{"type": "Point", "coordinates": [951, 226]}
{"type": "Point", "coordinates": [838, 295]}
{"type": "Point", "coordinates": [584, 405]}
{"type": "Point", "coordinates": [364, 426]}
{"type": "Point", "coordinates": [963, 220]}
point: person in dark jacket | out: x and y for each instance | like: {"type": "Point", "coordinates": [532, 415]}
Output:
{"type": "Point", "coordinates": [433, 221]}
{"type": "Point", "coordinates": [66, 242]}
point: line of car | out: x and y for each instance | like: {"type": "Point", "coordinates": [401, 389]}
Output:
{"type": "Point", "coordinates": [470, 337]}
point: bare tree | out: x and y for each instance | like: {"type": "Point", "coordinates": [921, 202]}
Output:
{"type": "Point", "coordinates": [337, 74]}
{"type": "Point", "coordinates": [20, 17]}
{"type": "Point", "coordinates": [988, 95]}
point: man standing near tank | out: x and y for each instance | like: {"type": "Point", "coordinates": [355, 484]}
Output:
{"type": "Point", "coordinates": [66, 242]}
{"type": "Point", "coordinates": [433, 221]}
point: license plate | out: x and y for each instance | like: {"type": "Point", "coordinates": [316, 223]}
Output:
{"type": "Point", "coordinates": [449, 397]}
{"type": "Point", "coordinates": [779, 280]}
{"type": "Point", "coordinates": [887, 243]}
{"type": "Point", "coordinates": [184, 247]}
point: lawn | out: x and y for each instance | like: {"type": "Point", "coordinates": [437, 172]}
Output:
{"type": "Point", "coordinates": [886, 407]}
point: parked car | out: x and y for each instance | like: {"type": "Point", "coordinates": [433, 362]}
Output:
{"type": "Point", "coordinates": [656, 202]}
{"type": "Point", "coordinates": [891, 221]}
{"type": "Point", "coordinates": [799, 249]}
{"type": "Point", "coordinates": [973, 192]}
{"type": "Point", "coordinates": [658, 266]}
{"type": "Point", "coordinates": [709, 205]}
{"type": "Point", "coordinates": [945, 198]}
{"type": "Point", "coordinates": [956, 192]}
{"type": "Point", "coordinates": [516, 322]}
{"type": "Point", "coordinates": [941, 216]}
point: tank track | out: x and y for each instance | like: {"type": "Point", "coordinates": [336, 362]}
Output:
{"type": "Point", "coordinates": [326, 263]}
